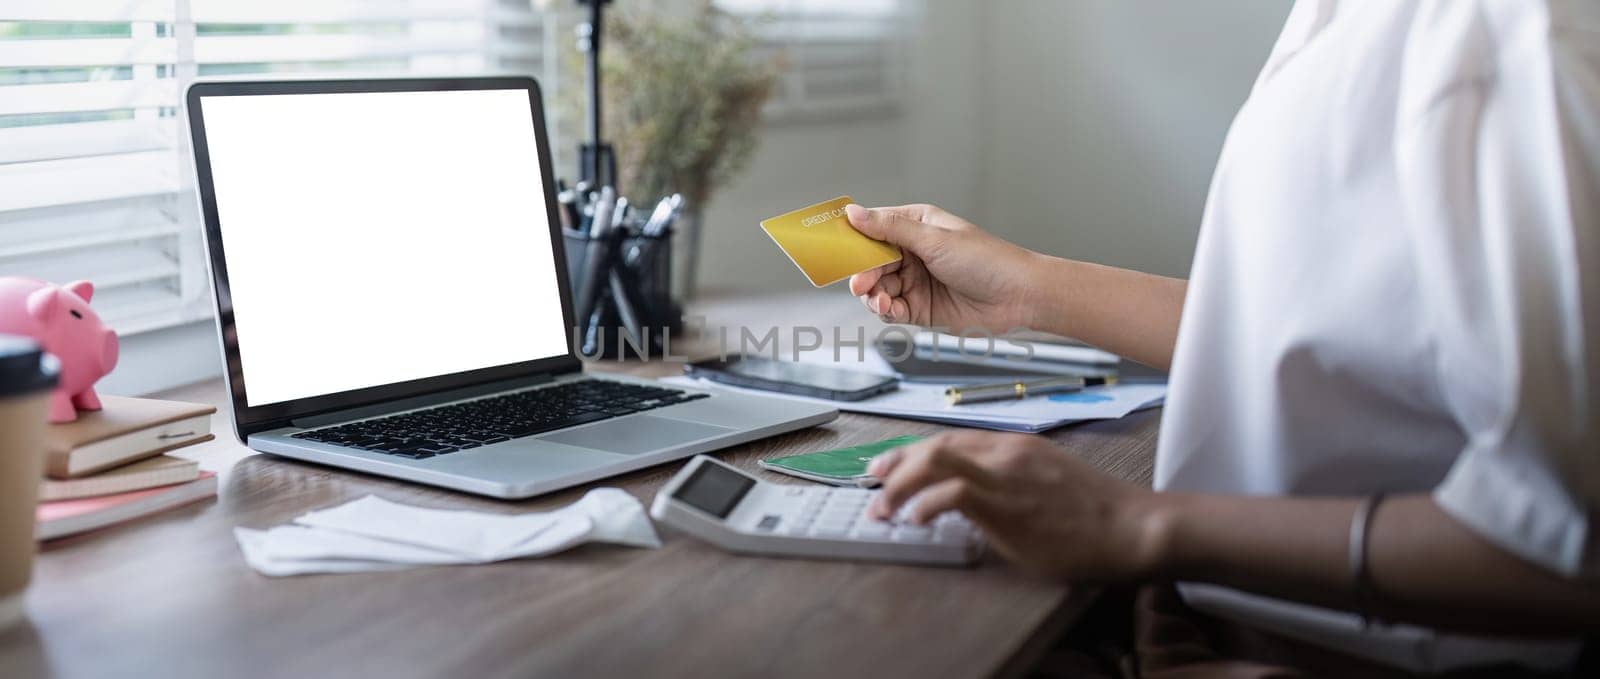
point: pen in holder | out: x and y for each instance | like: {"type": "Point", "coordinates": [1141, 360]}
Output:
{"type": "Point", "coordinates": [623, 300]}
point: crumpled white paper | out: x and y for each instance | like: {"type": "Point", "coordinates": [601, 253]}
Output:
{"type": "Point", "coordinates": [374, 534]}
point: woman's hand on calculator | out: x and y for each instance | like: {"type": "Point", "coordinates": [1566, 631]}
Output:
{"type": "Point", "coordinates": [1039, 506]}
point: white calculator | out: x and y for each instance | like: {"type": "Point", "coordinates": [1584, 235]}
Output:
{"type": "Point", "coordinates": [737, 512]}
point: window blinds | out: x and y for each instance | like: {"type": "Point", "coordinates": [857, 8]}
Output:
{"type": "Point", "coordinates": [94, 165]}
{"type": "Point", "coordinates": [95, 178]}
{"type": "Point", "coordinates": [844, 57]}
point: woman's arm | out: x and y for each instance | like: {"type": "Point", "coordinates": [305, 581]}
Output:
{"type": "Point", "coordinates": [954, 275]}
{"type": "Point", "coordinates": [1129, 313]}
{"type": "Point", "coordinates": [1424, 566]}
{"type": "Point", "coordinates": [1053, 513]}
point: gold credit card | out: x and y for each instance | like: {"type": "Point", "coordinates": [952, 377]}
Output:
{"type": "Point", "coordinates": [820, 240]}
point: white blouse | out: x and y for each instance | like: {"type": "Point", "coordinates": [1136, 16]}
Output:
{"type": "Point", "coordinates": [1397, 283]}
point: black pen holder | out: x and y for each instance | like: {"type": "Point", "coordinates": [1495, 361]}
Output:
{"type": "Point", "coordinates": [642, 266]}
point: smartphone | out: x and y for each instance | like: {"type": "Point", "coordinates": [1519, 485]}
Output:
{"type": "Point", "coordinates": [789, 377]}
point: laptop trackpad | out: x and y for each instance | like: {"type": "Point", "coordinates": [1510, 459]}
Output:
{"type": "Point", "coordinates": [637, 434]}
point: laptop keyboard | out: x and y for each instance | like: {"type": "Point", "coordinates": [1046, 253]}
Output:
{"type": "Point", "coordinates": [463, 426]}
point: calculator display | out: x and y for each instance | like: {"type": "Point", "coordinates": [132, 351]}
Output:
{"type": "Point", "coordinates": [714, 489]}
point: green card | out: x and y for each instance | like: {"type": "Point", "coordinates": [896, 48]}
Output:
{"type": "Point", "coordinates": [841, 467]}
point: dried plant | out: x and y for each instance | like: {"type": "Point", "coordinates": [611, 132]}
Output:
{"type": "Point", "coordinates": [683, 94]}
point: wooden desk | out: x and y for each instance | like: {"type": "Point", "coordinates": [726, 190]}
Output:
{"type": "Point", "coordinates": [171, 595]}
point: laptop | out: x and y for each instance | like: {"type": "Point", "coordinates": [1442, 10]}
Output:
{"type": "Point", "coordinates": [392, 293]}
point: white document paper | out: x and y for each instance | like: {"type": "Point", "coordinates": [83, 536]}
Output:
{"type": "Point", "coordinates": [919, 401]}
{"type": "Point", "coordinates": [375, 534]}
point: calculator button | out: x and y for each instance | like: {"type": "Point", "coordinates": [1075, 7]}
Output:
{"type": "Point", "coordinates": [840, 513]}
{"type": "Point", "coordinates": [874, 530]}
{"type": "Point", "coordinates": [830, 530]}
{"type": "Point", "coordinates": [769, 522]}
{"type": "Point", "coordinates": [838, 520]}
{"type": "Point", "coordinates": [912, 534]}
{"type": "Point", "coordinates": [853, 495]}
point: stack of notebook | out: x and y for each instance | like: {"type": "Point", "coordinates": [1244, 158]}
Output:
{"type": "Point", "coordinates": [111, 465]}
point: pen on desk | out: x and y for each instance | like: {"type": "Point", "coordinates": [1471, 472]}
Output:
{"type": "Point", "coordinates": [664, 213]}
{"type": "Point", "coordinates": [586, 198]}
{"type": "Point", "coordinates": [603, 205]}
{"type": "Point", "coordinates": [591, 335]}
{"type": "Point", "coordinates": [1018, 389]}
{"type": "Point", "coordinates": [660, 218]}
{"type": "Point", "coordinates": [578, 209]}
{"type": "Point", "coordinates": [596, 259]}
{"type": "Point", "coordinates": [674, 208]}
{"type": "Point", "coordinates": [657, 215]}
{"type": "Point", "coordinates": [571, 213]}
{"type": "Point", "coordinates": [626, 311]}
{"type": "Point", "coordinates": [619, 214]}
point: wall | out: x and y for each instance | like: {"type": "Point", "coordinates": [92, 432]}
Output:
{"type": "Point", "coordinates": [1084, 128]}
{"type": "Point", "coordinates": [799, 163]}
{"type": "Point", "coordinates": [924, 153]}
{"type": "Point", "coordinates": [1106, 117]}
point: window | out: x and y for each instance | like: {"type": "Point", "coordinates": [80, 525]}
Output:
{"type": "Point", "coordinates": [95, 171]}
{"type": "Point", "coordinates": [95, 178]}
{"type": "Point", "coordinates": [844, 56]}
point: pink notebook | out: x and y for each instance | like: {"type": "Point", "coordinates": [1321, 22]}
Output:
{"type": "Point", "coordinates": [69, 517]}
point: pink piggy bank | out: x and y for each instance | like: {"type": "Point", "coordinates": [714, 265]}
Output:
{"type": "Point", "coordinates": [60, 320]}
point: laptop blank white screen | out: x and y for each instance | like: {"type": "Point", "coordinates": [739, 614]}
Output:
{"type": "Point", "coordinates": [375, 238]}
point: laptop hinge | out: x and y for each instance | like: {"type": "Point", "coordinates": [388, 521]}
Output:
{"type": "Point", "coordinates": [324, 419]}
